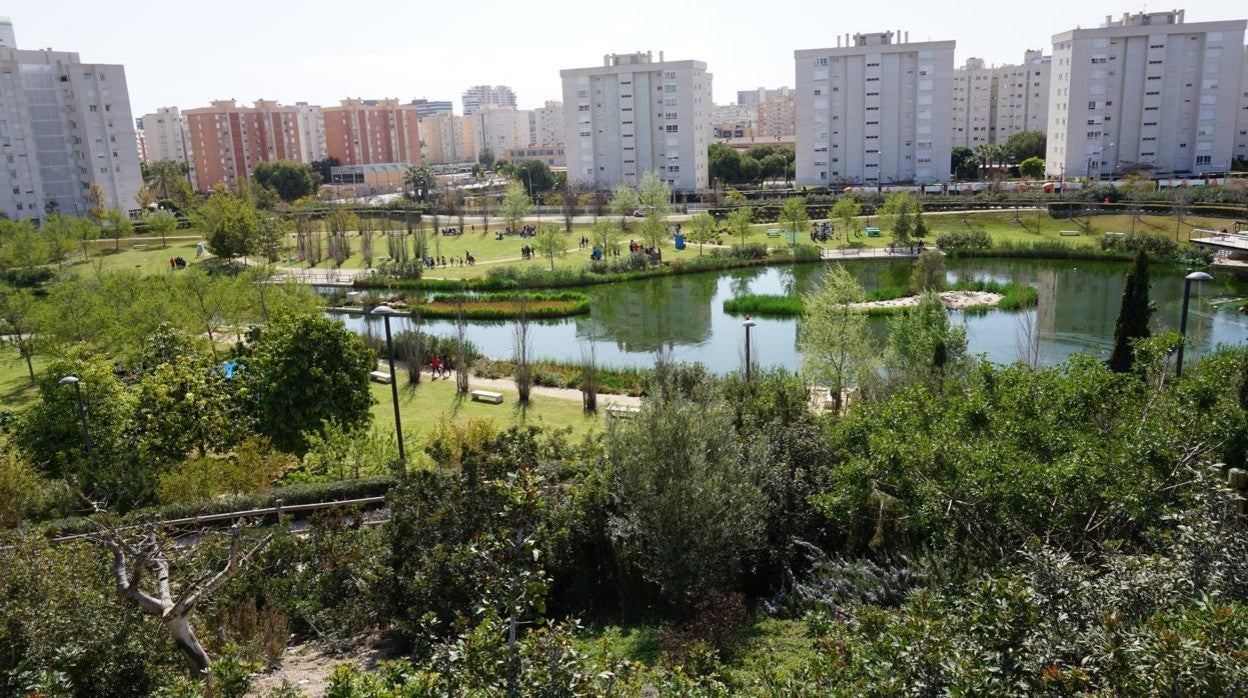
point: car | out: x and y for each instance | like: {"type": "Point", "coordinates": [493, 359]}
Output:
{"type": "Point", "coordinates": [639, 214]}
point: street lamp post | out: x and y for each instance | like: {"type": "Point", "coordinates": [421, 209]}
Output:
{"type": "Point", "coordinates": [385, 312]}
{"type": "Point", "coordinates": [82, 415]}
{"type": "Point", "coordinates": [1187, 294]}
{"type": "Point", "coordinates": [747, 325]}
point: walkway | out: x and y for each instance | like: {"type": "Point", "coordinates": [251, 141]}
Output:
{"type": "Point", "coordinates": [873, 253]}
{"type": "Point", "coordinates": [604, 399]}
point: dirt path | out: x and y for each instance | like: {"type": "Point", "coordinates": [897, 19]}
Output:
{"type": "Point", "coordinates": [953, 300]}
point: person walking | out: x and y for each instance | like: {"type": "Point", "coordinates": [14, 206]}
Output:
{"type": "Point", "coordinates": [436, 365]}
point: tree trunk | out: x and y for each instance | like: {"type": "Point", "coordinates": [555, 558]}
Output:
{"type": "Point", "coordinates": [26, 355]}
{"type": "Point", "coordinates": [184, 637]}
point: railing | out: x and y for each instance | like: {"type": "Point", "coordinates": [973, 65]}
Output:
{"type": "Point", "coordinates": [277, 511]}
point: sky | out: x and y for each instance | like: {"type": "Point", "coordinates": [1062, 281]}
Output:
{"type": "Point", "coordinates": [187, 54]}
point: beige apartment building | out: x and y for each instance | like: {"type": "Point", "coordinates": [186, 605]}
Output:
{"type": "Point", "coordinates": [1147, 91]}
{"type": "Point", "coordinates": [311, 132]}
{"type": "Point", "coordinates": [164, 136]}
{"type": "Point", "coordinates": [496, 129]}
{"type": "Point", "coordinates": [446, 140]}
{"type": "Point", "coordinates": [64, 126]}
{"type": "Point", "coordinates": [547, 123]}
{"type": "Point", "coordinates": [365, 132]}
{"type": "Point", "coordinates": [777, 115]}
{"type": "Point", "coordinates": [227, 141]}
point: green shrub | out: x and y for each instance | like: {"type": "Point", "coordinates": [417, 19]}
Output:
{"type": "Point", "coordinates": [764, 305]}
{"type": "Point", "coordinates": [1157, 246]}
{"type": "Point", "coordinates": [964, 240]}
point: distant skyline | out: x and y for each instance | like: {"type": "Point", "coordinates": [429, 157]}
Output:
{"type": "Point", "coordinates": [188, 54]}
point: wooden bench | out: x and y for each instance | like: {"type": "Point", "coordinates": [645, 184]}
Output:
{"type": "Point", "coordinates": [1068, 233]}
{"type": "Point", "coordinates": [380, 377]}
{"type": "Point", "coordinates": [487, 396]}
{"type": "Point", "coordinates": [138, 247]}
{"type": "Point", "coordinates": [773, 232]}
{"type": "Point", "coordinates": [622, 411]}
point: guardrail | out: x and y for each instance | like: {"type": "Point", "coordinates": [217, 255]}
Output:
{"type": "Point", "coordinates": [277, 511]}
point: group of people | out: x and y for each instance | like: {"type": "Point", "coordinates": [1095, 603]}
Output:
{"type": "Point", "coordinates": [450, 232]}
{"type": "Point", "coordinates": [177, 263]}
{"type": "Point", "coordinates": [598, 253]}
{"type": "Point", "coordinates": [634, 247]}
{"type": "Point", "coordinates": [440, 367]}
{"type": "Point", "coordinates": [820, 232]}
{"type": "Point", "coordinates": [583, 242]}
{"type": "Point", "coordinates": [526, 252]}
{"type": "Point", "coordinates": [466, 261]}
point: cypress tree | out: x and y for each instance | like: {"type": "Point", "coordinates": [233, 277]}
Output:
{"type": "Point", "coordinates": [1133, 316]}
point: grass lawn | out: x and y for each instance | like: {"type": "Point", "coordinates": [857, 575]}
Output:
{"type": "Point", "coordinates": [16, 391]}
{"type": "Point", "coordinates": [424, 406]}
{"type": "Point", "coordinates": [152, 259]}
{"type": "Point", "coordinates": [764, 645]}
{"type": "Point", "coordinates": [1007, 226]}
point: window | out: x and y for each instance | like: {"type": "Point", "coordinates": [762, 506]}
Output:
{"type": "Point", "coordinates": [669, 88]}
{"type": "Point", "coordinates": [1204, 159]}
{"type": "Point", "coordinates": [583, 107]}
{"type": "Point", "coordinates": [94, 108]}
{"type": "Point", "coordinates": [671, 128]}
{"type": "Point", "coordinates": [669, 75]}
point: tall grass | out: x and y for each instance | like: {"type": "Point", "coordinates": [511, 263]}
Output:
{"type": "Point", "coordinates": [764, 305]}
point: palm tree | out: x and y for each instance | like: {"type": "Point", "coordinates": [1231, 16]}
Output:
{"type": "Point", "coordinates": [419, 181]}
{"type": "Point", "coordinates": [162, 174]}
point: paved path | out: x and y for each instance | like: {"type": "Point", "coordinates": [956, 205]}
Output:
{"type": "Point", "coordinates": [873, 253]}
{"type": "Point", "coordinates": [604, 399]}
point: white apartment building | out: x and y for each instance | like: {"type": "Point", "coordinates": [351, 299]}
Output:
{"type": "Point", "coordinates": [632, 115]}
{"type": "Point", "coordinates": [1147, 89]}
{"type": "Point", "coordinates": [547, 125]}
{"type": "Point", "coordinates": [165, 136]}
{"type": "Point", "coordinates": [478, 97]}
{"type": "Point", "coordinates": [974, 103]}
{"type": "Point", "coordinates": [1022, 96]}
{"type": "Point", "coordinates": [874, 110]}
{"type": "Point", "coordinates": [1241, 129]}
{"type": "Point", "coordinates": [8, 38]}
{"type": "Point", "coordinates": [445, 140]}
{"type": "Point", "coordinates": [752, 98]}
{"type": "Point", "coordinates": [311, 121]}
{"type": "Point", "coordinates": [498, 129]}
{"type": "Point", "coordinates": [64, 125]}
{"type": "Point", "coordinates": [992, 104]}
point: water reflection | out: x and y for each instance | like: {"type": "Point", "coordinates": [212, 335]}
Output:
{"type": "Point", "coordinates": [683, 315]}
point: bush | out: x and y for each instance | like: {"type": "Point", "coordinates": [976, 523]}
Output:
{"type": "Point", "coordinates": [1157, 246]}
{"type": "Point", "coordinates": [964, 240]}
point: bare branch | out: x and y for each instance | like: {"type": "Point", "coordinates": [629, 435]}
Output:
{"type": "Point", "coordinates": [194, 593]}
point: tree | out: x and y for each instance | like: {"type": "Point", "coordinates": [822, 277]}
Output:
{"type": "Point", "coordinates": [654, 196]}
{"type": "Point", "coordinates": [605, 237]}
{"type": "Point", "coordinates": [163, 176]}
{"type": "Point", "coordinates": [653, 231]}
{"type": "Point", "coordinates": [143, 198]}
{"type": "Point", "coordinates": [60, 232]}
{"type": "Point", "coordinates": [833, 336]}
{"type": "Point", "coordinates": [723, 164]}
{"type": "Point", "coordinates": [624, 202]}
{"type": "Point", "coordinates": [149, 550]}
{"type": "Point", "coordinates": [96, 210]}
{"type": "Point", "coordinates": [21, 246]}
{"type": "Point", "coordinates": [793, 212]}
{"type": "Point", "coordinates": [213, 302]}
{"type": "Point", "coordinates": [535, 175]}
{"type": "Point", "coordinates": [291, 180]}
{"type": "Point", "coordinates": [1031, 168]}
{"type": "Point", "coordinates": [304, 371]}
{"type": "Point", "coordinates": [550, 242]}
{"type": "Point", "coordinates": [325, 167]}
{"type": "Point", "coordinates": [687, 511]}
{"type": "Point", "coordinates": [17, 319]}
{"type": "Point", "coordinates": [702, 229]}
{"type": "Point", "coordinates": [899, 214]}
{"type": "Point", "coordinates": [844, 211]}
{"type": "Point", "coordinates": [161, 223]}
{"type": "Point", "coordinates": [340, 222]}
{"type": "Point", "coordinates": [50, 432]}
{"type": "Point", "coordinates": [1026, 145]}
{"type": "Point", "coordinates": [928, 273]}
{"type": "Point", "coordinates": [964, 165]}
{"type": "Point", "coordinates": [1133, 316]}
{"type": "Point", "coordinates": [739, 221]}
{"type": "Point", "coordinates": [186, 406]}
{"type": "Point", "coordinates": [419, 181]}
{"type": "Point", "coordinates": [751, 170]}
{"type": "Point", "coordinates": [119, 226]}
{"type": "Point", "coordinates": [774, 166]}
{"type": "Point", "coordinates": [923, 346]}
{"type": "Point", "coordinates": [229, 224]}
{"type": "Point", "coordinates": [516, 205]}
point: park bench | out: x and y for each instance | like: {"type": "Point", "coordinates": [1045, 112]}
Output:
{"type": "Point", "coordinates": [379, 377]}
{"type": "Point", "coordinates": [873, 232]}
{"type": "Point", "coordinates": [773, 232]}
{"type": "Point", "coordinates": [487, 396]}
{"type": "Point", "coordinates": [622, 411]}
{"type": "Point", "coordinates": [138, 247]}
{"type": "Point", "coordinates": [1068, 233]}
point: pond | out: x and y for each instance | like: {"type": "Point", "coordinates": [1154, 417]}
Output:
{"type": "Point", "coordinates": [683, 316]}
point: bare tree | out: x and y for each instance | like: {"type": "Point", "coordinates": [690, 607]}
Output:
{"type": "Point", "coordinates": [463, 355]}
{"type": "Point", "coordinates": [133, 558]}
{"type": "Point", "coordinates": [487, 200]}
{"type": "Point", "coordinates": [569, 206]}
{"type": "Point", "coordinates": [458, 202]}
{"type": "Point", "coordinates": [589, 376]}
{"type": "Point", "coordinates": [521, 345]}
{"type": "Point", "coordinates": [1027, 338]}
{"type": "Point", "coordinates": [367, 230]}
{"type": "Point", "coordinates": [411, 346]}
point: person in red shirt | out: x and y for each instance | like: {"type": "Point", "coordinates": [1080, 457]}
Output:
{"type": "Point", "coordinates": [437, 367]}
